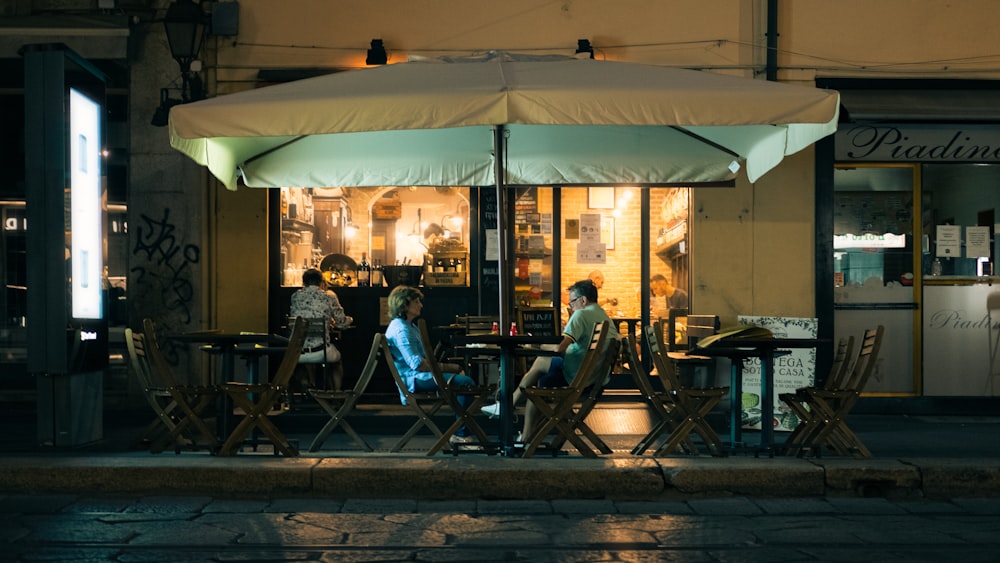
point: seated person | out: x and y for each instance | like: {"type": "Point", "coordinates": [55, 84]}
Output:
{"type": "Point", "coordinates": [406, 346]}
{"type": "Point", "coordinates": [316, 301]}
{"type": "Point", "coordinates": [560, 371]}
{"type": "Point", "coordinates": [665, 296]}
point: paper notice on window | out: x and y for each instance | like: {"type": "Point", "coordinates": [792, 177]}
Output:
{"type": "Point", "coordinates": [492, 245]}
{"type": "Point", "coordinates": [949, 241]}
{"type": "Point", "coordinates": [591, 253]}
{"type": "Point", "coordinates": [977, 242]}
{"type": "Point", "coordinates": [590, 228]}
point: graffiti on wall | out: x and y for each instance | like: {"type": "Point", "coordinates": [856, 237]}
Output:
{"type": "Point", "coordinates": [162, 268]}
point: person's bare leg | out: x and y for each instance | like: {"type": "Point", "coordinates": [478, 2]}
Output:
{"type": "Point", "coordinates": [538, 368]}
{"type": "Point", "coordinates": [530, 414]}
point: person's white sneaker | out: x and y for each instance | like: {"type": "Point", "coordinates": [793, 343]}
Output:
{"type": "Point", "coordinates": [492, 411]}
{"type": "Point", "coordinates": [461, 439]}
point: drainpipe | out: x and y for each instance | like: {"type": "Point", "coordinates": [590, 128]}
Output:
{"type": "Point", "coordinates": [772, 40]}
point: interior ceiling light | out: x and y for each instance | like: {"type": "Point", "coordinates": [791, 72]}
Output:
{"type": "Point", "coordinates": [376, 55]}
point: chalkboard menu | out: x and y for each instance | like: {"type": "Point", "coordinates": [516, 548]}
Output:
{"type": "Point", "coordinates": [489, 269]}
{"type": "Point", "coordinates": [538, 321]}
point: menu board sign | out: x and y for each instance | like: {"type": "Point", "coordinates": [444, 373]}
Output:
{"type": "Point", "coordinates": [539, 321]}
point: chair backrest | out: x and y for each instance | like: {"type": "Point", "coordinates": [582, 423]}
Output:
{"type": "Point", "coordinates": [319, 327]}
{"type": "Point", "coordinates": [639, 373]}
{"type": "Point", "coordinates": [477, 324]}
{"type": "Point", "coordinates": [370, 364]}
{"type": "Point", "coordinates": [136, 344]}
{"type": "Point", "coordinates": [400, 384]}
{"type": "Point", "coordinates": [701, 326]}
{"type": "Point", "coordinates": [596, 357]}
{"type": "Point", "coordinates": [290, 359]}
{"type": "Point", "coordinates": [665, 367]}
{"type": "Point", "coordinates": [602, 376]}
{"type": "Point", "coordinates": [864, 365]}
{"type": "Point", "coordinates": [160, 370]}
{"type": "Point", "coordinates": [675, 336]}
{"type": "Point", "coordinates": [425, 338]}
{"type": "Point", "coordinates": [841, 364]}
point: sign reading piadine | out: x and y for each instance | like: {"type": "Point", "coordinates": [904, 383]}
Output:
{"type": "Point", "coordinates": [791, 371]}
{"type": "Point", "coordinates": [86, 216]}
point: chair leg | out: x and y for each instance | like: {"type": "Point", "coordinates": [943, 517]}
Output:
{"type": "Point", "coordinates": [423, 419]}
{"type": "Point", "coordinates": [338, 417]}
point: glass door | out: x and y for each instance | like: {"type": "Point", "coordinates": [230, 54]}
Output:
{"type": "Point", "coordinates": [876, 267]}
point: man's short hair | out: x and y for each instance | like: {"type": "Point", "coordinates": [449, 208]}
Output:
{"type": "Point", "coordinates": [312, 276]}
{"type": "Point", "coordinates": [658, 278]}
{"type": "Point", "coordinates": [585, 288]}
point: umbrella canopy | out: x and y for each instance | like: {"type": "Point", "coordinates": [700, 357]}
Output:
{"type": "Point", "coordinates": [563, 121]}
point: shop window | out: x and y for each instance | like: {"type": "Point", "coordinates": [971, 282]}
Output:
{"type": "Point", "coordinates": [334, 228]}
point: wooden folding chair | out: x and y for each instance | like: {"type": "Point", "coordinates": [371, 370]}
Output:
{"type": "Point", "coordinates": [156, 394]}
{"type": "Point", "coordinates": [588, 401]}
{"type": "Point", "coordinates": [339, 404]}
{"type": "Point", "coordinates": [451, 394]}
{"type": "Point", "coordinates": [257, 401]}
{"type": "Point", "coordinates": [424, 405]}
{"type": "Point", "coordinates": [829, 408]}
{"type": "Point", "coordinates": [661, 403]}
{"type": "Point", "coordinates": [184, 411]}
{"type": "Point", "coordinates": [691, 404]}
{"type": "Point", "coordinates": [473, 360]}
{"type": "Point", "coordinates": [556, 404]}
{"type": "Point", "coordinates": [798, 401]}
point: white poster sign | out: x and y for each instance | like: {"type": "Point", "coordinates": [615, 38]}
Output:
{"type": "Point", "coordinates": [977, 242]}
{"type": "Point", "coordinates": [949, 241]}
{"type": "Point", "coordinates": [791, 371]}
{"type": "Point", "coordinates": [590, 249]}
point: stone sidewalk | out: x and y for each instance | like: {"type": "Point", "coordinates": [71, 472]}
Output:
{"type": "Point", "coordinates": [915, 457]}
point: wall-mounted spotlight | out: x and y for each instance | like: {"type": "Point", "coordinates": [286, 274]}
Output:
{"type": "Point", "coordinates": [584, 46]}
{"type": "Point", "coordinates": [376, 55]}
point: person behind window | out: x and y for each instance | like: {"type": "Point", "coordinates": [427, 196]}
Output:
{"type": "Point", "coordinates": [560, 371]}
{"type": "Point", "coordinates": [665, 296]}
{"type": "Point", "coordinates": [609, 304]}
{"type": "Point", "coordinates": [407, 349]}
{"type": "Point", "coordinates": [316, 301]}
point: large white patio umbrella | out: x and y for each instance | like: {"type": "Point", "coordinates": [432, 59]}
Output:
{"type": "Point", "coordinates": [502, 119]}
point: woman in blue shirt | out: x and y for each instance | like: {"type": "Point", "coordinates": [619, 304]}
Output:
{"type": "Point", "coordinates": [406, 346]}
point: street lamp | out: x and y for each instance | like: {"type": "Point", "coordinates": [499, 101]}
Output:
{"type": "Point", "coordinates": [185, 26]}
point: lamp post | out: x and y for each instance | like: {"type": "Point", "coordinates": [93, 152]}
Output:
{"type": "Point", "coordinates": [185, 26]}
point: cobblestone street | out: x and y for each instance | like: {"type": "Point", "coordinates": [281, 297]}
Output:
{"type": "Point", "coordinates": [108, 528]}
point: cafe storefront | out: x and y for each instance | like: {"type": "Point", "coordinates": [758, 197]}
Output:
{"type": "Point", "coordinates": [623, 234]}
{"type": "Point", "coordinates": [914, 216]}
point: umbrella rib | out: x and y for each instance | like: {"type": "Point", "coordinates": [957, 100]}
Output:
{"type": "Point", "coordinates": [274, 148]}
{"type": "Point", "coordinates": [704, 140]}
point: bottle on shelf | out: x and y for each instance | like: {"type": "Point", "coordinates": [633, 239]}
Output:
{"type": "Point", "coordinates": [513, 328]}
{"type": "Point", "coordinates": [364, 271]}
{"type": "Point", "coordinates": [377, 273]}
{"type": "Point", "coordinates": [496, 328]}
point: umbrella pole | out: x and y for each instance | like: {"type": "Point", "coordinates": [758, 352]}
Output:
{"type": "Point", "coordinates": [504, 283]}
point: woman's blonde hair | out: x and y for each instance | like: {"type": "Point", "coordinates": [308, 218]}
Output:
{"type": "Point", "coordinates": [400, 298]}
